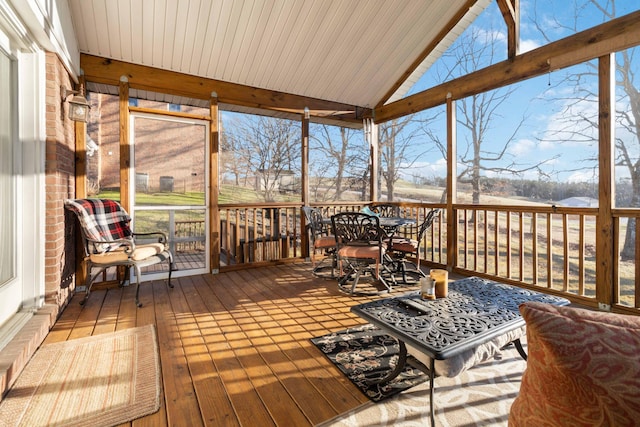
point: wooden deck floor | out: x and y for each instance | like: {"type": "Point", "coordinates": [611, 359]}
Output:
{"type": "Point", "coordinates": [234, 347]}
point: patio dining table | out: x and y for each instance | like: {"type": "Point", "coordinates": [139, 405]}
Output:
{"type": "Point", "coordinates": [475, 311]}
{"type": "Point", "coordinates": [391, 224]}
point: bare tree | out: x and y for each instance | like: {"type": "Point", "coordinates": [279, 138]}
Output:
{"type": "Point", "coordinates": [478, 114]}
{"type": "Point", "coordinates": [583, 127]}
{"type": "Point", "coordinates": [271, 149]}
{"type": "Point", "coordinates": [338, 159]}
{"type": "Point", "coordinates": [232, 156]}
{"type": "Point", "coordinates": [399, 149]}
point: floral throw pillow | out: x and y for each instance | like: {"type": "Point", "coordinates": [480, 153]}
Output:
{"type": "Point", "coordinates": [583, 368]}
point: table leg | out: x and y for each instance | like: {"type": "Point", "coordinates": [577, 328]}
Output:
{"type": "Point", "coordinates": [432, 375]}
{"type": "Point", "coordinates": [518, 345]}
{"type": "Point", "coordinates": [402, 361]}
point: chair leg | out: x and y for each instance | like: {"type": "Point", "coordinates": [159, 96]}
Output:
{"type": "Point", "coordinates": [355, 271]}
{"type": "Point", "coordinates": [318, 267]}
{"type": "Point", "coordinates": [402, 265]}
{"type": "Point", "coordinates": [89, 282]}
{"type": "Point", "coordinates": [171, 266]}
{"type": "Point", "coordinates": [138, 273]}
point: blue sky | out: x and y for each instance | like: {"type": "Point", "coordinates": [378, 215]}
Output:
{"type": "Point", "coordinates": [544, 102]}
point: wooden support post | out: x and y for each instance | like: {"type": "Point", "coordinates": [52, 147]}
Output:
{"type": "Point", "coordinates": [305, 182]}
{"type": "Point", "coordinates": [371, 136]}
{"type": "Point", "coordinates": [125, 145]}
{"type": "Point", "coordinates": [606, 188]}
{"type": "Point", "coordinates": [511, 13]}
{"type": "Point", "coordinates": [80, 130]}
{"type": "Point", "coordinates": [214, 181]}
{"type": "Point", "coordinates": [452, 183]}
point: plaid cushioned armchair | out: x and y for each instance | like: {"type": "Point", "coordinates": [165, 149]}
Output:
{"type": "Point", "coordinates": [108, 241]}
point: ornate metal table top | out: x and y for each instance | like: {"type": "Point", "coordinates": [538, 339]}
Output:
{"type": "Point", "coordinates": [385, 221]}
{"type": "Point", "coordinates": [475, 311]}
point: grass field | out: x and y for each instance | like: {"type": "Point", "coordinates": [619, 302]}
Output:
{"type": "Point", "coordinates": [151, 220]}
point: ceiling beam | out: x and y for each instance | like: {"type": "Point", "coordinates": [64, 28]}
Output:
{"type": "Point", "coordinates": [511, 13]}
{"type": "Point", "coordinates": [108, 71]}
{"type": "Point", "coordinates": [455, 19]}
{"type": "Point", "coordinates": [615, 35]}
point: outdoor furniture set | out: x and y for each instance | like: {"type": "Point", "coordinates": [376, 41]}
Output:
{"type": "Point", "coordinates": [367, 243]}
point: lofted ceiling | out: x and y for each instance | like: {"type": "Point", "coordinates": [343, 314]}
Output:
{"type": "Point", "coordinates": [360, 53]}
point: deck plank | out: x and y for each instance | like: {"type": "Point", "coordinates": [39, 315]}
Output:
{"type": "Point", "coordinates": [88, 317]}
{"type": "Point", "coordinates": [281, 405]}
{"type": "Point", "coordinates": [301, 390]}
{"type": "Point", "coordinates": [240, 391]}
{"type": "Point", "coordinates": [234, 347]}
{"type": "Point", "coordinates": [181, 404]}
{"type": "Point", "coordinates": [309, 361]}
{"type": "Point", "coordinates": [108, 316]}
{"type": "Point", "coordinates": [206, 379]}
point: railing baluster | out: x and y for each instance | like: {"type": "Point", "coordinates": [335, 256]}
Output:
{"type": "Point", "coordinates": [508, 244]}
{"type": "Point", "coordinates": [549, 251]}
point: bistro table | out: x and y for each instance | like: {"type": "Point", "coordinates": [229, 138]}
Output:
{"type": "Point", "coordinates": [475, 311]}
{"type": "Point", "coordinates": [388, 223]}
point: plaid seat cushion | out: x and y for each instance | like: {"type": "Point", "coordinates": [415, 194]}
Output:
{"type": "Point", "coordinates": [101, 220]}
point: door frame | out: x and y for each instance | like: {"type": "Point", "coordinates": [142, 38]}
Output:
{"type": "Point", "coordinates": [176, 118]}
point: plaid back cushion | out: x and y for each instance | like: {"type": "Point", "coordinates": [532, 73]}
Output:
{"type": "Point", "coordinates": [101, 220]}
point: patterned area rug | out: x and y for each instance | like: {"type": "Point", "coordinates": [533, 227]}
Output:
{"type": "Point", "coordinates": [365, 354]}
{"type": "Point", "coordinates": [481, 396]}
{"type": "Point", "coordinates": [102, 380]}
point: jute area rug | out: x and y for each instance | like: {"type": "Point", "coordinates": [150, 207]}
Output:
{"type": "Point", "coordinates": [480, 396]}
{"type": "Point", "coordinates": [102, 380]}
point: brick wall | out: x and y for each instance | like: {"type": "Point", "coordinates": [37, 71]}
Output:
{"type": "Point", "coordinates": [60, 184]}
{"type": "Point", "coordinates": [163, 149]}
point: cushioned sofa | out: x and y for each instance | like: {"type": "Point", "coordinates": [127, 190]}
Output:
{"type": "Point", "coordinates": [583, 368]}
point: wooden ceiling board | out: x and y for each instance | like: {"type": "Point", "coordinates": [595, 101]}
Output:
{"type": "Point", "coordinates": [246, 43]}
{"type": "Point", "coordinates": [308, 30]}
{"type": "Point", "coordinates": [350, 52]}
{"type": "Point", "coordinates": [134, 27]}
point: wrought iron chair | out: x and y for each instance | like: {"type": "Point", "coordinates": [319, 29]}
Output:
{"type": "Point", "coordinates": [401, 247]}
{"type": "Point", "coordinates": [360, 249]}
{"type": "Point", "coordinates": [108, 241]}
{"type": "Point", "coordinates": [385, 209]}
{"type": "Point", "coordinates": [321, 240]}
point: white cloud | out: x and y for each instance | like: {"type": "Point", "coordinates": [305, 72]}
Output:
{"type": "Point", "coordinates": [522, 147]}
{"type": "Point", "coordinates": [583, 176]}
{"type": "Point", "coordinates": [425, 169]}
{"type": "Point", "coordinates": [527, 45]}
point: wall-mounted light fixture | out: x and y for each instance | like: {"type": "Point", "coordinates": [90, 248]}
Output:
{"type": "Point", "coordinates": [78, 105]}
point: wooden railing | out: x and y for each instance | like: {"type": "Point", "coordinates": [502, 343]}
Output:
{"type": "Point", "coordinates": [189, 235]}
{"type": "Point", "coordinates": [626, 271]}
{"type": "Point", "coordinates": [259, 233]}
{"type": "Point", "coordinates": [547, 247]}
{"type": "Point", "coordinates": [542, 247]}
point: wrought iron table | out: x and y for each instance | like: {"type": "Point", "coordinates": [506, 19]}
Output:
{"type": "Point", "coordinates": [389, 223]}
{"type": "Point", "coordinates": [474, 312]}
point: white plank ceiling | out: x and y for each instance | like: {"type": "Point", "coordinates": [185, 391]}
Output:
{"type": "Point", "coordinates": [348, 51]}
